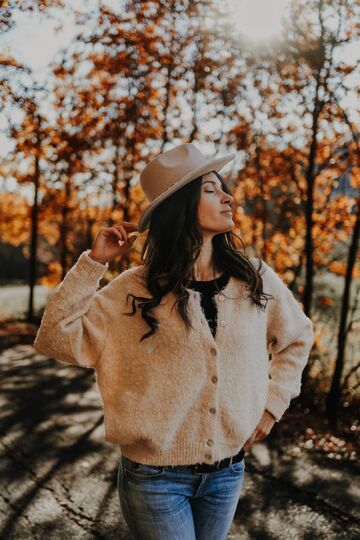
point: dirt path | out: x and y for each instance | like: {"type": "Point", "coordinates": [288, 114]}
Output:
{"type": "Point", "coordinates": [58, 475]}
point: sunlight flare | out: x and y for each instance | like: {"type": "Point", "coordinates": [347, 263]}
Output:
{"type": "Point", "coordinates": [257, 20]}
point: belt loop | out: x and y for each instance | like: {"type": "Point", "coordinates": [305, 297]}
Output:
{"type": "Point", "coordinates": [231, 461]}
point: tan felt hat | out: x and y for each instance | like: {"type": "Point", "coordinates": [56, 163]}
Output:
{"type": "Point", "coordinates": [171, 170]}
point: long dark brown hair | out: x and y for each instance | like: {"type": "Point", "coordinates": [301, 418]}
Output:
{"type": "Point", "coordinates": [172, 246]}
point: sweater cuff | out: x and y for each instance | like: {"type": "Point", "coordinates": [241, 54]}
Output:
{"type": "Point", "coordinates": [275, 405]}
{"type": "Point", "coordinates": [89, 267]}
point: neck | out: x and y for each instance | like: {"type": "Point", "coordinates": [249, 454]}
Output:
{"type": "Point", "coordinates": [203, 268]}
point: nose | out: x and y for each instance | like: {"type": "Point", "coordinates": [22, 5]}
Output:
{"type": "Point", "coordinates": [227, 198]}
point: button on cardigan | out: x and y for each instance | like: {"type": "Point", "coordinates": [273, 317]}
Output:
{"type": "Point", "coordinates": [157, 394]}
{"type": "Point", "coordinates": [207, 290]}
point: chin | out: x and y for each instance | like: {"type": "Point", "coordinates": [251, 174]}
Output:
{"type": "Point", "coordinates": [226, 229]}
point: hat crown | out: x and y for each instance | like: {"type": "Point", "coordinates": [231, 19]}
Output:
{"type": "Point", "coordinates": [174, 157]}
{"type": "Point", "coordinates": [168, 168]}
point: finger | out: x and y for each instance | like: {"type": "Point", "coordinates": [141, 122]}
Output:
{"type": "Point", "coordinates": [262, 434]}
{"type": "Point", "coordinates": [123, 231]}
{"type": "Point", "coordinates": [130, 243]}
{"type": "Point", "coordinates": [117, 233]}
{"type": "Point", "coordinates": [248, 443]}
{"type": "Point", "coordinates": [129, 225]}
{"type": "Point", "coordinates": [253, 436]}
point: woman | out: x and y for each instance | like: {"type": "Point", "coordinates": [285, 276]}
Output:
{"type": "Point", "coordinates": [180, 345]}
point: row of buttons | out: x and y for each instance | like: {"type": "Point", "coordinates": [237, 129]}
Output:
{"type": "Point", "coordinates": [221, 298]}
{"type": "Point", "coordinates": [209, 442]}
{"type": "Point", "coordinates": [214, 379]}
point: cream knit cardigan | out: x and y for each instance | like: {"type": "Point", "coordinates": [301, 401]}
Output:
{"type": "Point", "coordinates": [178, 398]}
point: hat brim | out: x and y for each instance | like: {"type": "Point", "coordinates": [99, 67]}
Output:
{"type": "Point", "coordinates": [213, 165]}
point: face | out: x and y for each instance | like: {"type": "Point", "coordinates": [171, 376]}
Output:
{"type": "Point", "coordinates": [214, 206]}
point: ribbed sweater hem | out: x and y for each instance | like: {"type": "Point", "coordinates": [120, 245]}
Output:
{"type": "Point", "coordinates": [180, 454]}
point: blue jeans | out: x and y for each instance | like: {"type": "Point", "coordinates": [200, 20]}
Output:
{"type": "Point", "coordinates": [167, 503]}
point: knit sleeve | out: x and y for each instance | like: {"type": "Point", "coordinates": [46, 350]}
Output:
{"type": "Point", "coordinates": [74, 325]}
{"type": "Point", "coordinates": [290, 337]}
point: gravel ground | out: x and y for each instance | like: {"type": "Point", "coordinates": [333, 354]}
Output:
{"type": "Point", "coordinates": [58, 475]}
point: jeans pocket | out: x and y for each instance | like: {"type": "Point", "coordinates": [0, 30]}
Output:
{"type": "Point", "coordinates": [141, 471]}
{"type": "Point", "coordinates": [238, 468]}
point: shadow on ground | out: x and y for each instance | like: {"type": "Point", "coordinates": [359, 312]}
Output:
{"type": "Point", "coordinates": [59, 475]}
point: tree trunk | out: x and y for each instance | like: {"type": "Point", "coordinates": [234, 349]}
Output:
{"type": "Point", "coordinates": [309, 206]}
{"type": "Point", "coordinates": [64, 228]}
{"type": "Point", "coordinates": [33, 241]}
{"type": "Point", "coordinates": [334, 395]}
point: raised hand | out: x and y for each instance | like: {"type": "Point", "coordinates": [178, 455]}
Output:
{"type": "Point", "coordinates": [112, 242]}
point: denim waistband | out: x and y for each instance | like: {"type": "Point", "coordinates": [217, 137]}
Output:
{"type": "Point", "coordinates": [217, 465]}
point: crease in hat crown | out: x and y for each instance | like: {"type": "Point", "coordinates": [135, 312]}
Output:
{"type": "Point", "coordinates": [172, 169]}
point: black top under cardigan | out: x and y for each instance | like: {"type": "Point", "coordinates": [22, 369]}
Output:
{"type": "Point", "coordinates": [207, 291]}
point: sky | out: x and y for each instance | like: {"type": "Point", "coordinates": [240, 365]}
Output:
{"type": "Point", "coordinates": [36, 39]}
